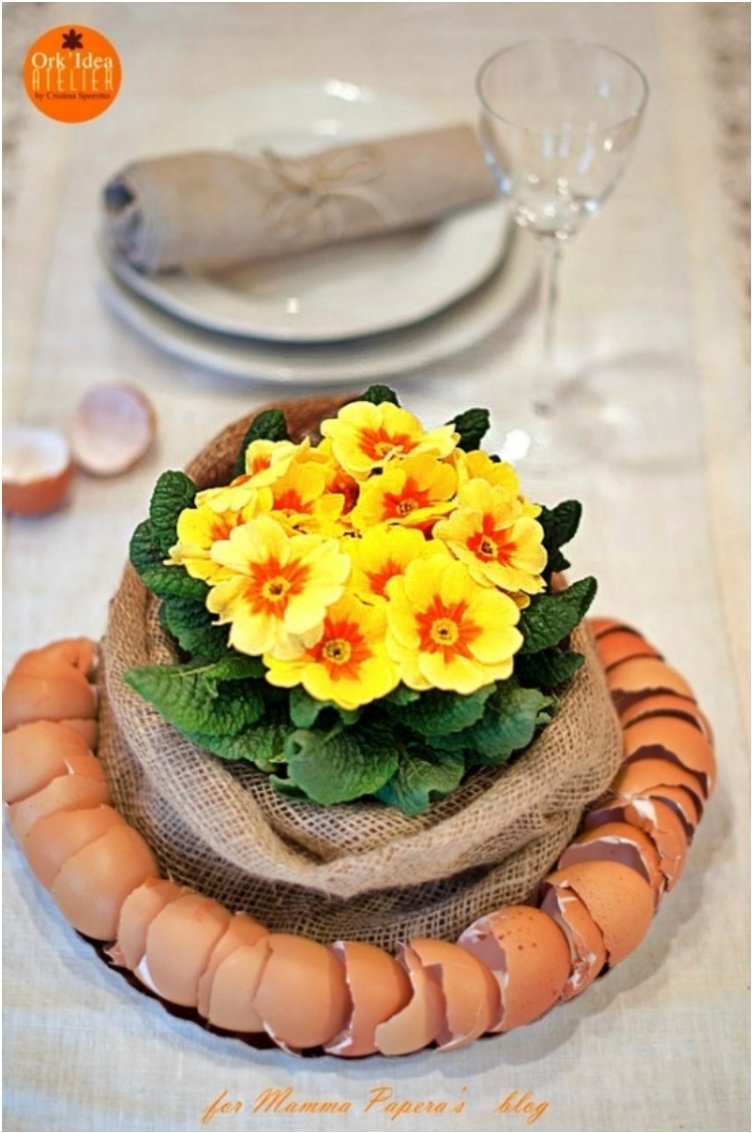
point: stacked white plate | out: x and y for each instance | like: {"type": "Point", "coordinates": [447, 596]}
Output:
{"type": "Point", "coordinates": [359, 310]}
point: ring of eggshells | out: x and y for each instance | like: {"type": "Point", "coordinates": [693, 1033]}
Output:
{"type": "Point", "coordinates": [352, 999]}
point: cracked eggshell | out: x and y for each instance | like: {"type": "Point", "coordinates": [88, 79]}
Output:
{"type": "Point", "coordinates": [242, 931]}
{"type": "Point", "coordinates": [234, 986]}
{"type": "Point", "coordinates": [529, 956]}
{"type": "Point", "coordinates": [586, 948]}
{"type": "Point", "coordinates": [179, 942]}
{"type": "Point", "coordinates": [618, 899]}
{"type": "Point", "coordinates": [79, 653]}
{"type": "Point", "coordinates": [303, 996]}
{"type": "Point", "coordinates": [34, 755]}
{"type": "Point", "coordinates": [662, 778]}
{"type": "Point", "coordinates": [666, 830]}
{"type": "Point", "coordinates": [621, 645]}
{"type": "Point", "coordinates": [675, 740]}
{"type": "Point", "coordinates": [470, 991]}
{"type": "Point", "coordinates": [379, 988]}
{"type": "Point", "coordinates": [643, 676]}
{"type": "Point", "coordinates": [112, 429]}
{"type": "Point", "coordinates": [618, 842]}
{"type": "Point", "coordinates": [88, 730]}
{"type": "Point", "coordinates": [66, 792]}
{"type": "Point", "coordinates": [58, 837]}
{"type": "Point", "coordinates": [671, 705]}
{"type": "Point", "coordinates": [139, 910]}
{"type": "Point", "coordinates": [28, 697]}
{"type": "Point", "coordinates": [421, 1019]}
{"type": "Point", "coordinates": [92, 886]}
{"type": "Point", "coordinates": [37, 470]}
{"type": "Point", "coordinates": [601, 626]}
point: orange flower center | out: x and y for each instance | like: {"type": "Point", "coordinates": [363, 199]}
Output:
{"type": "Point", "coordinates": [342, 650]}
{"type": "Point", "coordinates": [410, 498]}
{"type": "Point", "coordinates": [221, 527]}
{"type": "Point", "coordinates": [338, 651]}
{"type": "Point", "coordinates": [377, 580]}
{"type": "Point", "coordinates": [271, 585]}
{"type": "Point", "coordinates": [444, 629]}
{"type": "Point", "coordinates": [378, 444]}
{"type": "Point", "coordinates": [492, 543]}
{"type": "Point", "coordinates": [275, 588]}
{"type": "Point", "coordinates": [291, 500]}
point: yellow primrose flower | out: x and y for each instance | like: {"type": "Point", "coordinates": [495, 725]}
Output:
{"type": "Point", "coordinates": [365, 436]}
{"type": "Point", "coordinates": [300, 500]}
{"type": "Point", "coordinates": [500, 545]}
{"type": "Point", "coordinates": [477, 465]}
{"type": "Point", "coordinates": [446, 631]}
{"type": "Point", "coordinates": [280, 586]}
{"type": "Point", "coordinates": [199, 528]}
{"type": "Point", "coordinates": [265, 462]}
{"type": "Point", "coordinates": [383, 553]}
{"type": "Point", "coordinates": [414, 491]}
{"type": "Point", "coordinates": [337, 480]}
{"type": "Point", "coordinates": [348, 664]}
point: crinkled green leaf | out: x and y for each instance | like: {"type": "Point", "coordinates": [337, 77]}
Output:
{"type": "Point", "coordinates": [148, 562]}
{"type": "Point", "coordinates": [267, 426]}
{"type": "Point", "coordinates": [234, 666]}
{"type": "Point", "coordinates": [509, 723]}
{"type": "Point", "coordinates": [550, 617]}
{"type": "Point", "coordinates": [174, 492]}
{"type": "Point", "coordinates": [401, 696]}
{"type": "Point", "coordinates": [438, 713]}
{"type": "Point", "coordinates": [472, 426]}
{"type": "Point", "coordinates": [548, 669]}
{"type": "Point", "coordinates": [559, 526]}
{"type": "Point", "coordinates": [305, 710]}
{"type": "Point", "coordinates": [422, 777]}
{"type": "Point", "coordinates": [339, 765]}
{"type": "Point", "coordinates": [191, 624]}
{"type": "Point", "coordinates": [262, 744]}
{"type": "Point", "coordinates": [377, 394]}
{"type": "Point", "coordinates": [197, 701]}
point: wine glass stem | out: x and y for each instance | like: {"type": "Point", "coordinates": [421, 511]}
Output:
{"type": "Point", "coordinates": [553, 251]}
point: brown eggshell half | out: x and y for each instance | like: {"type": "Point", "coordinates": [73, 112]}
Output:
{"type": "Point", "coordinates": [88, 730]}
{"type": "Point", "coordinates": [379, 988]}
{"type": "Point", "coordinates": [618, 899]}
{"type": "Point", "coordinates": [302, 997]}
{"type": "Point", "coordinates": [586, 948]}
{"type": "Point", "coordinates": [93, 884]}
{"type": "Point", "coordinates": [234, 988]}
{"type": "Point", "coordinates": [621, 645]}
{"type": "Point", "coordinates": [34, 754]}
{"type": "Point", "coordinates": [643, 676]}
{"type": "Point", "coordinates": [421, 1020]}
{"type": "Point", "coordinates": [666, 830]}
{"type": "Point", "coordinates": [77, 652]}
{"type": "Point", "coordinates": [618, 842]}
{"type": "Point", "coordinates": [68, 792]}
{"type": "Point", "coordinates": [27, 698]}
{"type": "Point", "coordinates": [58, 837]}
{"type": "Point", "coordinates": [242, 931]}
{"type": "Point", "coordinates": [37, 470]}
{"type": "Point", "coordinates": [112, 429]}
{"type": "Point", "coordinates": [471, 993]}
{"type": "Point", "coordinates": [139, 910]}
{"type": "Point", "coordinates": [601, 626]}
{"type": "Point", "coordinates": [665, 737]}
{"type": "Point", "coordinates": [179, 942]}
{"type": "Point", "coordinates": [529, 956]}
{"type": "Point", "coordinates": [653, 778]}
{"type": "Point", "coordinates": [667, 705]}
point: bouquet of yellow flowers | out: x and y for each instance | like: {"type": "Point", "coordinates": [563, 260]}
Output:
{"type": "Point", "coordinates": [368, 616]}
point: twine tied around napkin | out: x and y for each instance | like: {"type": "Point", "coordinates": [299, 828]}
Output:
{"type": "Point", "coordinates": [216, 210]}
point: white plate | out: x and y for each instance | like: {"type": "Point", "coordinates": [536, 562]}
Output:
{"type": "Point", "coordinates": [455, 329]}
{"type": "Point", "coordinates": [335, 293]}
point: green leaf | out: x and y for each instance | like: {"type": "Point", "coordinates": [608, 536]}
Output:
{"type": "Point", "coordinates": [559, 526]}
{"type": "Point", "coordinates": [423, 776]}
{"type": "Point", "coordinates": [548, 669]}
{"type": "Point", "coordinates": [267, 426]}
{"type": "Point", "coordinates": [401, 696]}
{"type": "Point", "coordinates": [234, 666]}
{"type": "Point", "coordinates": [438, 713]}
{"type": "Point", "coordinates": [305, 709]}
{"type": "Point", "coordinates": [262, 745]}
{"type": "Point", "coordinates": [173, 492]}
{"type": "Point", "coordinates": [472, 426]}
{"type": "Point", "coordinates": [147, 560]}
{"type": "Point", "coordinates": [339, 765]}
{"type": "Point", "coordinates": [509, 723]}
{"type": "Point", "coordinates": [196, 700]}
{"type": "Point", "coordinates": [376, 394]}
{"type": "Point", "coordinates": [190, 623]}
{"type": "Point", "coordinates": [550, 617]}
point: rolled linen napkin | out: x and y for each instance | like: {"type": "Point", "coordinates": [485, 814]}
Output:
{"type": "Point", "coordinates": [218, 209]}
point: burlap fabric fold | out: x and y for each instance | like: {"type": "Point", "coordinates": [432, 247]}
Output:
{"type": "Point", "coordinates": [358, 871]}
{"type": "Point", "coordinates": [217, 210]}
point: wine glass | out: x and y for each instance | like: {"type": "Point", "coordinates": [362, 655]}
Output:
{"type": "Point", "coordinates": [558, 121]}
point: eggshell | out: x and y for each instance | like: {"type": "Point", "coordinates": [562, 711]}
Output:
{"type": "Point", "coordinates": [643, 676]}
{"type": "Point", "coordinates": [179, 942]}
{"type": "Point", "coordinates": [666, 737]}
{"type": "Point", "coordinates": [529, 956]}
{"type": "Point", "coordinates": [618, 899]}
{"type": "Point", "coordinates": [58, 837]}
{"type": "Point", "coordinates": [601, 626]}
{"type": "Point", "coordinates": [618, 842]}
{"type": "Point", "coordinates": [77, 652]}
{"type": "Point", "coordinates": [649, 778]}
{"type": "Point", "coordinates": [621, 645]}
{"type": "Point", "coordinates": [93, 884]}
{"type": "Point", "coordinates": [379, 988]}
{"type": "Point", "coordinates": [88, 730]}
{"type": "Point", "coordinates": [37, 470]}
{"type": "Point", "coordinates": [242, 931]}
{"type": "Point", "coordinates": [112, 429]}
{"type": "Point", "coordinates": [34, 754]}
{"type": "Point", "coordinates": [28, 697]}
{"type": "Point", "coordinates": [421, 1020]}
{"type": "Point", "coordinates": [139, 910]}
{"type": "Point", "coordinates": [67, 792]}
{"type": "Point", "coordinates": [667, 832]}
{"type": "Point", "coordinates": [234, 988]}
{"type": "Point", "coordinates": [302, 997]}
{"type": "Point", "coordinates": [586, 948]}
{"type": "Point", "coordinates": [667, 704]}
{"type": "Point", "coordinates": [471, 993]}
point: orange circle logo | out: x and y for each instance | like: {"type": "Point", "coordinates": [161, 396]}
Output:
{"type": "Point", "coordinates": [72, 74]}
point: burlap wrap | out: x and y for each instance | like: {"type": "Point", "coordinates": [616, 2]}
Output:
{"type": "Point", "coordinates": [358, 871]}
